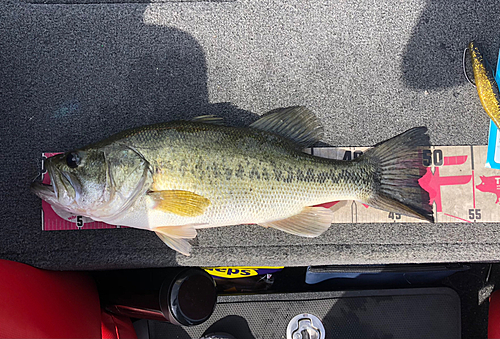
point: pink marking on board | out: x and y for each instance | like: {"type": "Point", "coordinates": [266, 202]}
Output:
{"type": "Point", "coordinates": [490, 185]}
{"type": "Point", "coordinates": [327, 204]}
{"type": "Point", "coordinates": [456, 160]}
{"type": "Point", "coordinates": [51, 154]}
{"type": "Point", "coordinates": [53, 222]}
{"type": "Point", "coordinates": [432, 182]}
{"type": "Point", "coordinates": [457, 217]}
{"type": "Point", "coordinates": [333, 203]}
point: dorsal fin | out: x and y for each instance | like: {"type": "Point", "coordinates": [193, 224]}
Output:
{"type": "Point", "coordinates": [296, 123]}
{"type": "Point", "coordinates": [209, 119]}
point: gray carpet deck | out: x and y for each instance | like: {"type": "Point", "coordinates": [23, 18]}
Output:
{"type": "Point", "coordinates": [73, 74]}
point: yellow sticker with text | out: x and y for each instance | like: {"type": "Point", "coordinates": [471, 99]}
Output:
{"type": "Point", "coordinates": [240, 271]}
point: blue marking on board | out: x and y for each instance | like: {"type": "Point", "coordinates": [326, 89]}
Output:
{"type": "Point", "coordinates": [493, 156]}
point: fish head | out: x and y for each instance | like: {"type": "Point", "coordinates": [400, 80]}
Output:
{"type": "Point", "coordinates": [99, 183]}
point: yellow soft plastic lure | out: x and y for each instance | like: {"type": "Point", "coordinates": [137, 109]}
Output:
{"type": "Point", "coordinates": [485, 83]}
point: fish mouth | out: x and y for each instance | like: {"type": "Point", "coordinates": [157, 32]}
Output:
{"type": "Point", "coordinates": [47, 192]}
{"type": "Point", "coordinates": [44, 191]}
{"type": "Point", "coordinates": [62, 190]}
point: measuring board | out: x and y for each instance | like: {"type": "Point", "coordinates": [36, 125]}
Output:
{"type": "Point", "coordinates": [461, 189]}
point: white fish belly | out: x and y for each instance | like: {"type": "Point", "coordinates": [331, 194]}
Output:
{"type": "Point", "coordinates": [230, 205]}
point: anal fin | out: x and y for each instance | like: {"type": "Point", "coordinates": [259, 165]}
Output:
{"type": "Point", "coordinates": [311, 222]}
{"type": "Point", "coordinates": [176, 237]}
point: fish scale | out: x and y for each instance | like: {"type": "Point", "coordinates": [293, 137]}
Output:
{"type": "Point", "coordinates": [273, 176]}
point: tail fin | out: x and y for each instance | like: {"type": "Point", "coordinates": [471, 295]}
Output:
{"type": "Point", "coordinates": [398, 162]}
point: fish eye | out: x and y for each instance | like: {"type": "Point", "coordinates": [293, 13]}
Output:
{"type": "Point", "coordinates": [73, 160]}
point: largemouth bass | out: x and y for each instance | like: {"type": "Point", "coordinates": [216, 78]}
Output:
{"type": "Point", "coordinates": [174, 178]}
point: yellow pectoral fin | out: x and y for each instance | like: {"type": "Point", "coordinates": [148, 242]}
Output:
{"type": "Point", "coordinates": [183, 203]}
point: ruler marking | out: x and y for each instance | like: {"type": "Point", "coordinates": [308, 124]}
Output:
{"type": "Point", "coordinates": [457, 218]}
{"type": "Point", "coordinates": [52, 222]}
{"type": "Point", "coordinates": [473, 184]}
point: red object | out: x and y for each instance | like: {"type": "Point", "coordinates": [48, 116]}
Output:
{"type": "Point", "coordinates": [491, 185]}
{"type": "Point", "coordinates": [37, 303]}
{"type": "Point", "coordinates": [456, 160]}
{"type": "Point", "coordinates": [494, 316]}
{"type": "Point", "coordinates": [116, 327]}
{"type": "Point", "coordinates": [327, 204]}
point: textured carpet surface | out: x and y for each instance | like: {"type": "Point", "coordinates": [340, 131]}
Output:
{"type": "Point", "coordinates": [71, 74]}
